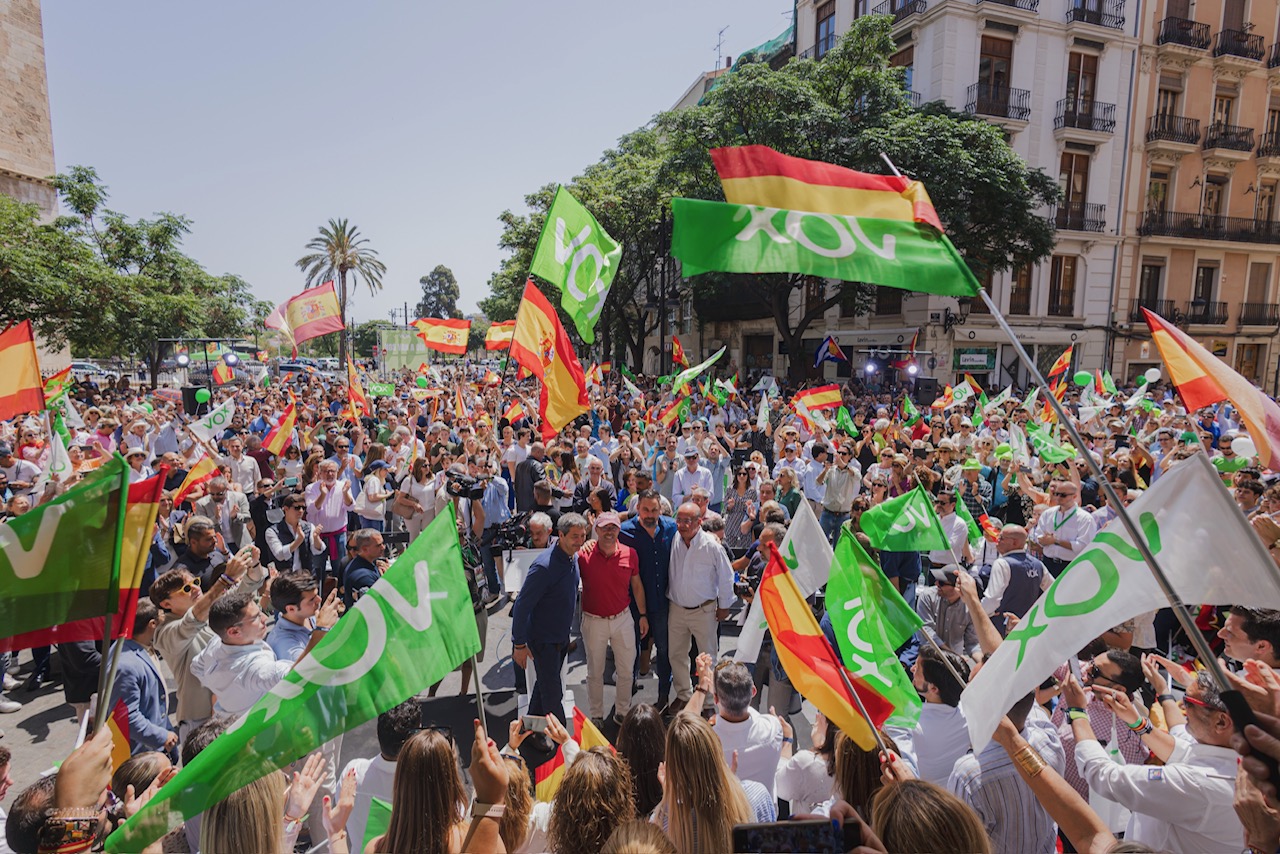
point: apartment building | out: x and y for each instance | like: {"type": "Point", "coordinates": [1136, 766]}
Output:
{"type": "Point", "coordinates": [1201, 225]}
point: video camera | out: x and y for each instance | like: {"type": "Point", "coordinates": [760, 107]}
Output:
{"type": "Point", "coordinates": [513, 533]}
{"type": "Point", "coordinates": [461, 485]}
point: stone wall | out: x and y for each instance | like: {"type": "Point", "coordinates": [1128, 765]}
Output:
{"type": "Point", "coordinates": [26, 132]}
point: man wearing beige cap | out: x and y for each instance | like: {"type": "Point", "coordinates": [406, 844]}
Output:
{"type": "Point", "coordinates": [610, 579]}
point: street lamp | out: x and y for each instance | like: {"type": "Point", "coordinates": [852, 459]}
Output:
{"type": "Point", "coordinates": [949, 319]}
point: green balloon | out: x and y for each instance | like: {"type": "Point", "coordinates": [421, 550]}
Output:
{"type": "Point", "coordinates": [202, 395]}
{"type": "Point", "coordinates": [1140, 381]}
{"type": "Point", "coordinates": [1083, 378]}
{"type": "Point", "coordinates": [148, 407]}
{"type": "Point", "coordinates": [422, 382]}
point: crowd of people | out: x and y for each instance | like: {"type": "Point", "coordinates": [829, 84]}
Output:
{"type": "Point", "coordinates": [649, 540]}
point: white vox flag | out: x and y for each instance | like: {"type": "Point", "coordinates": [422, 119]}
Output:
{"type": "Point", "coordinates": [808, 555]}
{"type": "Point", "coordinates": [1186, 518]}
{"type": "Point", "coordinates": [960, 394]}
{"type": "Point", "coordinates": [215, 421]}
{"type": "Point", "coordinates": [996, 401]}
{"type": "Point", "coordinates": [59, 465]}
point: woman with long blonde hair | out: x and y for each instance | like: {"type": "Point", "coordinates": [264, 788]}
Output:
{"type": "Point", "coordinates": [593, 799]}
{"type": "Point", "coordinates": [249, 819]}
{"type": "Point", "coordinates": [916, 816]}
{"type": "Point", "coordinates": [701, 799]}
{"type": "Point", "coordinates": [429, 801]}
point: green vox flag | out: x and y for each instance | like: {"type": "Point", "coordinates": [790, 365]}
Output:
{"type": "Point", "coordinates": [689, 374]}
{"type": "Point", "coordinates": [844, 423]}
{"type": "Point", "coordinates": [909, 411]}
{"type": "Point", "coordinates": [907, 523]}
{"type": "Point", "coordinates": [1045, 448]}
{"type": "Point", "coordinates": [61, 561]}
{"type": "Point", "coordinates": [414, 626]}
{"type": "Point", "coordinates": [579, 257]}
{"type": "Point", "coordinates": [871, 620]}
{"type": "Point", "coordinates": [962, 510]}
{"type": "Point", "coordinates": [754, 239]}
{"type": "Point", "coordinates": [626, 372]}
{"type": "Point", "coordinates": [381, 389]}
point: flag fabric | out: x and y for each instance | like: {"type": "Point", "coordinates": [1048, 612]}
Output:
{"type": "Point", "coordinates": [973, 384]}
{"type": "Point", "coordinates": [61, 561]}
{"type": "Point", "coordinates": [118, 723]}
{"type": "Point", "coordinates": [980, 405]}
{"type": "Point", "coordinates": [541, 345]}
{"type": "Point", "coordinates": [1203, 379]}
{"type": "Point", "coordinates": [988, 526]}
{"type": "Point", "coordinates": [945, 401]}
{"type": "Point", "coordinates": [626, 372]}
{"type": "Point", "coordinates": [460, 410]}
{"type": "Point", "coordinates": [999, 400]}
{"type": "Point", "coordinates": [907, 523]}
{"type": "Point", "coordinates": [677, 353]}
{"type": "Point", "coordinates": [143, 504]}
{"type": "Point", "coordinates": [381, 389]}
{"type": "Point", "coordinates": [869, 617]}
{"type": "Point", "coordinates": [631, 388]}
{"type": "Point", "coordinates": [490, 377]}
{"type": "Point", "coordinates": [844, 423]}
{"type": "Point", "coordinates": [1045, 447]}
{"type": "Point", "coordinates": [909, 412]}
{"type": "Point", "coordinates": [312, 313]}
{"type": "Point", "coordinates": [1109, 384]}
{"type": "Point", "coordinates": [1109, 583]}
{"type": "Point", "coordinates": [223, 373]}
{"type": "Point", "coordinates": [355, 392]}
{"type": "Point", "coordinates": [498, 337]}
{"type": "Point", "coordinates": [410, 630]}
{"type": "Point", "coordinates": [58, 383]}
{"type": "Point", "coordinates": [829, 351]}
{"type": "Point", "coordinates": [21, 389]}
{"type": "Point", "coordinates": [822, 397]}
{"type": "Point", "coordinates": [689, 374]}
{"type": "Point", "coordinates": [203, 471]}
{"type": "Point", "coordinates": [210, 426]}
{"type": "Point", "coordinates": [448, 335]}
{"type": "Point", "coordinates": [674, 413]}
{"type": "Point", "coordinates": [807, 554]}
{"type": "Point", "coordinates": [1062, 364]}
{"type": "Point", "coordinates": [810, 663]}
{"type": "Point", "coordinates": [961, 393]}
{"type": "Point", "coordinates": [606, 367]}
{"type": "Point", "coordinates": [514, 412]}
{"type": "Point", "coordinates": [277, 441]}
{"type": "Point", "coordinates": [762, 417]}
{"type": "Point", "coordinates": [962, 511]}
{"type": "Point", "coordinates": [903, 364]}
{"type": "Point", "coordinates": [578, 256]}
{"type": "Point", "coordinates": [548, 776]}
{"type": "Point", "coordinates": [810, 418]}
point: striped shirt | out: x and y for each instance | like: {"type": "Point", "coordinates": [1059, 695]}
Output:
{"type": "Point", "coordinates": [989, 782]}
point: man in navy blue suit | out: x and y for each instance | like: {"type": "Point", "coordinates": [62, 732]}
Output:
{"type": "Point", "coordinates": [141, 686]}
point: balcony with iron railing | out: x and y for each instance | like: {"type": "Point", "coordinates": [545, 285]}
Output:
{"type": "Point", "coordinates": [1184, 32]}
{"type": "Point", "coordinates": [1080, 216]}
{"type": "Point", "coordinates": [1209, 227]}
{"type": "Point", "coordinates": [1260, 314]}
{"type": "Point", "coordinates": [1210, 313]}
{"type": "Point", "coordinates": [1112, 18]}
{"type": "Point", "coordinates": [1020, 302]}
{"type": "Point", "coordinates": [1162, 307]}
{"type": "Point", "coordinates": [1163, 127]}
{"type": "Point", "coordinates": [915, 98]}
{"type": "Point", "coordinates": [1228, 137]}
{"type": "Point", "coordinates": [1273, 58]}
{"type": "Point", "coordinates": [1062, 304]}
{"type": "Point", "coordinates": [1241, 43]}
{"type": "Point", "coordinates": [987, 99]}
{"type": "Point", "coordinates": [1269, 146]}
{"type": "Point", "coordinates": [901, 9]}
{"type": "Point", "coordinates": [1026, 5]}
{"type": "Point", "coordinates": [1084, 114]}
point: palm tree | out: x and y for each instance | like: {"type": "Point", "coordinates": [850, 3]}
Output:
{"type": "Point", "coordinates": [338, 250]}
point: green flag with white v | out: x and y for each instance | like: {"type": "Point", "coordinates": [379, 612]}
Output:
{"type": "Point", "coordinates": [907, 523]}
{"type": "Point", "coordinates": [580, 258]}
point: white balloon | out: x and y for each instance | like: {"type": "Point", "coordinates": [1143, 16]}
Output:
{"type": "Point", "coordinates": [1152, 375]}
{"type": "Point", "coordinates": [1243, 446]}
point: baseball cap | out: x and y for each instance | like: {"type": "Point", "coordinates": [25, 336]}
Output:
{"type": "Point", "coordinates": [790, 448]}
{"type": "Point", "coordinates": [947, 574]}
{"type": "Point", "coordinates": [378, 464]}
{"type": "Point", "coordinates": [5, 449]}
{"type": "Point", "coordinates": [971, 465]}
{"type": "Point", "coordinates": [690, 452]}
{"type": "Point", "coordinates": [609, 518]}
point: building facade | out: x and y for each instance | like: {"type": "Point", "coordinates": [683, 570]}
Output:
{"type": "Point", "coordinates": [26, 131]}
{"type": "Point", "coordinates": [1201, 230]}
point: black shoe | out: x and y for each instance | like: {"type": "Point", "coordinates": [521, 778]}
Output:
{"type": "Point", "coordinates": [33, 683]}
{"type": "Point", "coordinates": [661, 704]}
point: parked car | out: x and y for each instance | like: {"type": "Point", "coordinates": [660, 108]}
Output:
{"type": "Point", "coordinates": [88, 371]}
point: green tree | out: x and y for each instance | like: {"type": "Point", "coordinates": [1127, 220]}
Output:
{"type": "Point", "coordinates": [365, 336]}
{"type": "Point", "coordinates": [475, 337]}
{"type": "Point", "coordinates": [336, 253]}
{"type": "Point", "coordinates": [439, 294]}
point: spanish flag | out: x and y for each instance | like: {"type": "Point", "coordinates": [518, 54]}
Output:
{"type": "Point", "coordinates": [499, 335]}
{"type": "Point", "coordinates": [21, 389]}
{"type": "Point", "coordinates": [282, 434]}
{"type": "Point", "coordinates": [514, 412]}
{"type": "Point", "coordinates": [541, 345]}
{"type": "Point", "coordinates": [312, 313]}
{"type": "Point", "coordinates": [1064, 362]}
{"type": "Point", "coordinates": [677, 353]}
{"type": "Point", "coordinates": [359, 400]}
{"type": "Point", "coordinates": [460, 410]}
{"type": "Point", "coordinates": [811, 664]}
{"type": "Point", "coordinates": [490, 378]}
{"type": "Point", "coordinates": [223, 373]}
{"type": "Point", "coordinates": [822, 397]}
{"type": "Point", "coordinates": [447, 335]}
{"type": "Point", "coordinates": [673, 413]}
{"type": "Point", "coordinates": [758, 175]}
{"type": "Point", "coordinates": [58, 383]}
{"type": "Point", "coordinates": [1203, 379]}
{"type": "Point", "coordinates": [606, 367]}
{"type": "Point", "coordinates": [548, 775]}
{"type": "Point", "coordinates": [118, 723]}
{"type": "Point", "coordinates": [205, 469]}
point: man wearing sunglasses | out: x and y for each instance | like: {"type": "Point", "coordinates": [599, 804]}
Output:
{"type": "Point", "coordinates": [842, 480]}
{"type": "Point", "coordinates": [1064, 530]}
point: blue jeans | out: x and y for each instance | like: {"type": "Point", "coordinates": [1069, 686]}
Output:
{"type": "Point", "coordinates": [830, 523]}
{"type": "Point", "coordinates": [658, 635]}
{"type": "Point", "coordinates": [904, 566]}
{"type": "Point", "coordinates": [547, 697]}
{"type": "Point", "coordinates": [373, 524]}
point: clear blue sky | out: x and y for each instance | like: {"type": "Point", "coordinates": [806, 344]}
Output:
{"type": "Point", "coordinates": [419, 121]}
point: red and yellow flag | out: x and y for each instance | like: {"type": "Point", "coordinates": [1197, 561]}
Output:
{"type": "Point", "coordinates": [312, 313]}
{"type": "Point", "coordinates": [671, 415]}
{"type": "Point", "coordinates": [758, 175]}
{"type": "Point", "coordinates": [460, 411]}
{"type": "Point", "coordinates": [282, 434]}
{"type": "Point", "coordinates": [355, 392]}
{"type": "Point", "coordinates": [21, 389]}
{"type": "Point", "coordinates": [448, 335]}
{"type": "Point", "coordinates": [822, 397]}
{"type": "Point", "coordinates": [1203, 379]}
{"type": "Point", "coordinates": [541, 345]}
{"type": "Point", "coordinates": [205, 469]}
{"type": "Point", "coordinates": [223, 373]}
{"type": "Point", "coordinates": [811, 664]}
{"type": "Point", "coordinates": [677, 353]}
{"type": "Point", "coordinates": [548, 775]}
{"type": "Point", "coordinates": [606, 367]}
{"type": "Point", "coordinates": [946, 400]}
{"type": "Point", "coordinates": [118, 723]}
{"type": "Point", "coordinates": [57, 383]}
{"type": "Point", "coordinates": [514, 412]}
{"type": "Point", "coordinates": [968, 377]}
{"type": "Point", "coordinates": [1064, 362]}
{"type": "Point", "coordinates": [499, 335]}
{"type": "Point", "coordinates": [490, 377]}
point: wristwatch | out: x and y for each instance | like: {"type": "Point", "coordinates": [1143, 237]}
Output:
{"type": "Point", "coordinates": [479, 810]}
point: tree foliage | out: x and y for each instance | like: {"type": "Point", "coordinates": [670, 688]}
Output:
{"type": "Point", "coordinates": [439, 294]}
{"type": "Point", "coordinates": [339, 252]}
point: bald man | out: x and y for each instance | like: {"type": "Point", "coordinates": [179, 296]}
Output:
{"type": "Point", "coordinates": [1017, 578]}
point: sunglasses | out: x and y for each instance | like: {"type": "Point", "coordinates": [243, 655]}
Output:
{"type": "Point", "coordinates": [188, 587]}
{"type": "Point", "coordinates": [1187, 698]}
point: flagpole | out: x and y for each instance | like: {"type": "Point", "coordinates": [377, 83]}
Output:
{"type": "Point", "coordinates": [862, 710]}
{"type": "Point", "coordinates": [475, 672]}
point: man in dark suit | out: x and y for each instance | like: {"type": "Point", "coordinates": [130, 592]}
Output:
{"type": "Point", "coordinates": [528, 472]}
{"type": "Point", "coordinates": [593, 481]}
{"type": "Point", "coordinates": [141, 687]}
{"type": "Point", "coordinates": [364, 570]}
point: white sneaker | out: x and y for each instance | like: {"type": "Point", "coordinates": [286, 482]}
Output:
{"type": "Point", "coordinates": [8, 707]}
{"type": "Point", "coordinates": [10, 683]}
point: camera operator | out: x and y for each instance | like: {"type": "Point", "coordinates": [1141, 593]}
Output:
{"type": "Point", "coordinates": [496, 512]}
{"type": "Point", "coordinates": [467, 493]}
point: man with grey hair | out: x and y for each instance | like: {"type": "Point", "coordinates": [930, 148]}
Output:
{"type": "Point", "coordinates": [550, 592]}
{"type": "Point", "coordinates": [229, 510]}
{"type": "Point", "coordinates": [539, 531]}
{"type": "Point", "coordinates": [700, 587]}
{"type": "Point", "coordinates": [756, 739]}
{"type": "Point", "coordinates": [595, 479]}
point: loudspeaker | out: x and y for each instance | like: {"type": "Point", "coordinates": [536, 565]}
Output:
{"type": "Point", "coordinates": [925, 391]}
{"type": "Point", "coordinates": [189, 403]}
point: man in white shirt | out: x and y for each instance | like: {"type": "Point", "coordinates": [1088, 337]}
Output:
{"type": "Point", "coordinates": [940, 736]}
{"type": "Point", "coordinates": [791, 460]}
{"type": "Point", "coordinates": [841, 482]}
{"type": "Point", "coordinates": [690, 477]}
{"type": "Point", "coordinates": [755, 738]}
{"type": "Point", "coordinates": [956, 530]}
{"type": "Point", "coordinates": [375, 776]}
{"type": "Point", "coordinates": [700, 590]}
{"type": "Point", "coordinates": [1065, 530]}
{"type": "Point", "coordinates": [603, 447]}
{"type": "Point", "coordinates": [244, 469]}
{"type": "Point", "coordinates": [1017, 578]}
{"type": "Point", "coordinates": [813, 489]}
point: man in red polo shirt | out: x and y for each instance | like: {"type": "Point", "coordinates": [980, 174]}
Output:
{"type": "Point", "coordinates": [610, 579]}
